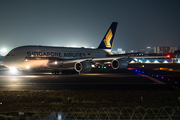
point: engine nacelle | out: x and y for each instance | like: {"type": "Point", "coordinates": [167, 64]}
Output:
{"type": "Point", "coordinates": [120, 63]}
{"type": "Point", "coordinates": [82, 66]}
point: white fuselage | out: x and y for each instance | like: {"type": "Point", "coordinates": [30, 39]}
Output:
{"type": "Point", "coordinates": [30, 57]}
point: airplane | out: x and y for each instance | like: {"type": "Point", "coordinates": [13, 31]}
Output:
{"type": "Point", "coordinates": [67, 58]}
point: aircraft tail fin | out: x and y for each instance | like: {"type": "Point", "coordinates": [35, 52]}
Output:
{"type": "Point", "coordinates": [108, 40]}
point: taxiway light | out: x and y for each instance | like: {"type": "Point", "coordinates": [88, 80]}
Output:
{"type": "Point", "coordinates": [176, 82]}
{"type": "Point", "coordinates": [142, 71]}
{"type": "Point", "coordinates": [147, 61]}
{"type": "Point", "coordinates": [165, 61]}
{"type": "Point", "coordinates": [156, 75]}
{"type": "Point", "coordinates": [136, 59]}
{"type": "Point", "coordinates": [156, 61]}
{"type": "Point", "coordinates": [162, 77]}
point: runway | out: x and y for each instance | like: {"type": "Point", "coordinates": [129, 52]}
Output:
{"type": "Point", "coordinates": [43, 80]}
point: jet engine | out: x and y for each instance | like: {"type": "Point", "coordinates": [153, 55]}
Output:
{"type": "Point", "coordinates": [83, 66]}
{"type": "Point", "coordinates": [120, 63]}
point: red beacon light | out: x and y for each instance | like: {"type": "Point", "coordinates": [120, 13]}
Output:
{"type": "Point", "coordinates": [168, 56]}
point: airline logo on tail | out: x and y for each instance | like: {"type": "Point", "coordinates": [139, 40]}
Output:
{"type": "Point", "coordinates": [108, 38]}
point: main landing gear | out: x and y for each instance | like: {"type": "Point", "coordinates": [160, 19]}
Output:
{"type": "Point", "coordinates": [64, 72]}
{"type": "Point", "coordinates": [55, 72]}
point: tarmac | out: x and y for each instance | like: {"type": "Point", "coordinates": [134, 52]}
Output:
{"type": "Point", "coordinates": [95, 80]}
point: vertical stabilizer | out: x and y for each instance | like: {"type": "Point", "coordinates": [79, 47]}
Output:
{"type": "Point", "coordinates": [108, 40]}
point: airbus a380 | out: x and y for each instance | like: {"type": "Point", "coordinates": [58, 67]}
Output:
{"type": "Point", "coordinates": [66, 58]}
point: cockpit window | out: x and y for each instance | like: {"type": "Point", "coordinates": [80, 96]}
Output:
{"type": "Point", "coordinates": [10, 54]}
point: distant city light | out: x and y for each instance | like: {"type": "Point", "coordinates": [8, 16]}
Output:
{"type": "Point", "coordinates": [3, 51]}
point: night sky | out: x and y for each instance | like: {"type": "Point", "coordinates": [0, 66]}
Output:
{"type": "Point", "coordinates": [141, 23]}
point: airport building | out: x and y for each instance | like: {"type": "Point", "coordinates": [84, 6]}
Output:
{"type": "Point", "coordinates": [119, 51]}
{"type": "Point", "coordinates": [165, 49]}
{"type": "Point", "coordinates": [147, 50]}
